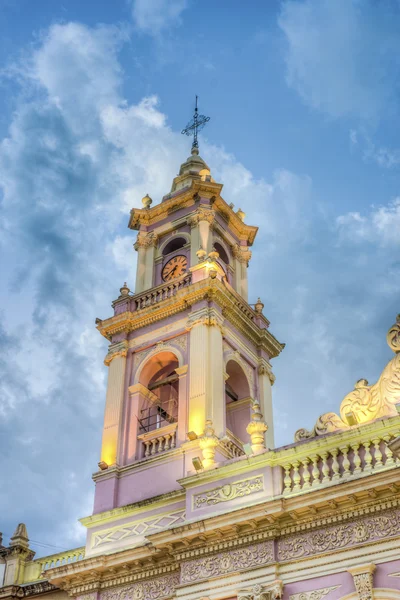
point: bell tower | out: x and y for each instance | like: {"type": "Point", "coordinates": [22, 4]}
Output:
{"type": "Point", "coordinates": [189, 383]}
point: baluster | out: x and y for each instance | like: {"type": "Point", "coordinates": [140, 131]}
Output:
{"type": "Point", "coordinates": [167, 439]}
{"type": "Point", "coordinates": [287, 481]}
{"type": "Point", "coordinates": [306, 474]}
{"type": "Point", "coordinates": [367, 457]}
{"type": "Point", "coordinates": [153, 446]}
{"type": "Point", "coordinates": [346, 462]}
{"type": "Point", "coordinates": [315, 471]}
{"type": "Point", "coordinates": [160, 443]}
{"type": "Point", "coordinates": [296, 476]}
{"type": "Point", "coordinates": [335, 465]}
{"type": "Point", "coordinates": [377, 454]}
{"type": "Point", "coordinates": [325, 467]}
{"type": "Point", "coordinates": [357, 458]}
{"type": "Point", "coordinates": [173, 439]}
{"type": "Point", "coordinates": [390, 462]}
{"type": "Point", "coordinates": [147, 448]}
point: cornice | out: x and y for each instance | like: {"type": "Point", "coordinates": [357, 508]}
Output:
{"type": "Point", "coordinates": [189, 197]}
{"type": "Point", "coordinates": [234, 308]}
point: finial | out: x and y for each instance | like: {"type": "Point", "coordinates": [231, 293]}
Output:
{"type": "Point", "coordinates": [194, 126]}
{"type": "Point", "coordinates": [258, 307]}
{"type": "Point", "coordinates": [20, 537]}
{"type": "Point", "coordinates": [241, 214]}
{"type": "Point", "coordinates": [124, 290]}
{"type": "Point", "coordinates": [147, 201]}
{"type": "Point", "coordinates": [201, 254]}
{"type": "Point", "coordinates": [213, 255]}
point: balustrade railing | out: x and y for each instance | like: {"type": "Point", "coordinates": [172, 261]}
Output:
{"type": "Point", "coordinates": [36, 569]}
{"type": "Point", "coordinates": [159, 440]}
{"type": "Point", "coordinates": [161, 292]}
{"type": "Point", "coordinates": [232, 445]}
{"type": "Point", "coordinates": [343, 462]}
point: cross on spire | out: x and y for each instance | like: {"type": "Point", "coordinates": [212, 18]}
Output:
{"type": "Point", "coordinates": [195, 125]}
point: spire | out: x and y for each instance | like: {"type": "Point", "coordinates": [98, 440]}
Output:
{"type": "Point", "coordinates": [194, 126]}
{"type": "Point", "coordinates": [20, 537]}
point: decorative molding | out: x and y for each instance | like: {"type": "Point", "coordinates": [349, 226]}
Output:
{"type": "Point", "coordinates": [314, 594]}
{"type": "Point", "coordinates": [363, 581]}
{"type": "Point", "coordinates": [146, 240]}
{"type": "Point", "coordinates": [255, 555]}
{"type": "Point", "coordinates": [201, 214]}
{"type": "Point", "coordinates": [242, 254]}
{"type": "Point", "coordinates": [138, 528]}
{"type": "Point", "coordinates": [264, 368]}
{"type": "Point", "coordinates": [366, 402]}
{"type": "Point", "coordinates": [358, 531]}
{"type": "Point", "coordinates": [114, 350]}
{"type": "Point", "coordinates": [229, 491]}
{"type": "Point", "coordinates": [208, 316]}
{"type": "Point", "coordinates": [154, 589]}
{"type": "Point", "coordinates": [262, 592]}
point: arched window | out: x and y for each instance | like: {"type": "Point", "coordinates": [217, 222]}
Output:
{"type": "Point", "coordinates": [175, 244]}
{"type": "Point", "coordinates": [160, 407]}
{"type": "Point", "coordinates": [237, 401]}
{"type": "Point", "coordinates": [222, 253]}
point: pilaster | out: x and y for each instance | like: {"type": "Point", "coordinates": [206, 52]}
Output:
{"type": "Point", "coordinates": [265, 381]}
{"type": "Point", "coordinates": [363, 580]}
{"type": "Point", "coordinates": [116, 361]}
{"type": "Point", "coordinates": [206, 391]}
{"type": "Point", "coordinates": [145, 246]}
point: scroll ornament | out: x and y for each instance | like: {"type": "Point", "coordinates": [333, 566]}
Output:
{"type": "Point", "coordinates": [366, 402]}
{"type": "Point", "coordinates": [262, 592]}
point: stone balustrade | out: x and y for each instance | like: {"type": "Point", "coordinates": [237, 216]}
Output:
{"type": "Point", "coordinates": [159, 440]}
{"type": "Point", "coordinates": [160, 293]}
{"type": "Point", "coordinates": [36, 569]}
{"type": "Point", "coordinates": [232, 445]}
{"type": "Point", "coordinates": [337, 462]}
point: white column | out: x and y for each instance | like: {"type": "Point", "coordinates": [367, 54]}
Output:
{"type": "Point", "coordinates": [145, 246]}
{"type": "Point", "coordinates": [242, 256]}
{"type": "Point", "coordinates": [265, 379]}
{"type": "Point", "coordinates": [116, 361]}
{"type": "Point", "coordinates": [206, 371]}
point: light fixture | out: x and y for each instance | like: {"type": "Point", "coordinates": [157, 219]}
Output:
{"type": "Point", "coordinates": [351, 418]}
{"type": "Point", "coordinates": [103, 465]}
{"type": "Point", "coordinates": [192, 435]}
{"type": "Point", "coordinates": [197, 463]}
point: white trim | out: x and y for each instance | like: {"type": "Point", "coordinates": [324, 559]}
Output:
{"type": "Point", "coordinates": [175, 234]}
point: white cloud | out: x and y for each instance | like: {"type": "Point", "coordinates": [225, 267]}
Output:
{"type": "Point", "coordinates": [335, 59]}
{"type": "Point", "coordinates": [154, 16]}
{"type": "Point", "coordinates": [380, 226]}
{"type": "Point", "coordinates": [70, 171]}
{"type": "Point", "coordinates": [381, 155]}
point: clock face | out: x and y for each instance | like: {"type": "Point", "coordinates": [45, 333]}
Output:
{"type": "Point", "coordinates": [175, 267]}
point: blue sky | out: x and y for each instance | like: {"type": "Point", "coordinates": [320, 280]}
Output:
{"type": "Point", "coordinates": [303, 98]}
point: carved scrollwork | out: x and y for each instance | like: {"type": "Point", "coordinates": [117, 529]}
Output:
{"type": "Point", "coordinates": [153, 589]}
{"type": "Point", "coordinates": [146, 240]}
{"type": "Point", "coordinates": [201, 214]}
{"type": "Point", "coordinates": [243, 255]}
{"type": "Point", "coordinates": [262, 592]}
{"type": "Point", "coordinates": [230, 491]}
{"type": "Point", "coordinates": [225, 562]}
{"type": "Point", "coordinates": [366, 402]}
{"type": "Point", "coordinates": [393, 336]}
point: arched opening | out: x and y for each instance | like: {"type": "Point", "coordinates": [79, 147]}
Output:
{"type": "Point", "coordinates": [237, 401]}
{"type": "Point", "coordinates": [159, 407]}
{"type": "Point", "coordinates": [222, 253]}
{"type": "Point", "coordinates": [173, 245]}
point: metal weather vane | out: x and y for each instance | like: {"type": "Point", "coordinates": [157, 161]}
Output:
{"type": "Point", "coordinates": [195, 125]}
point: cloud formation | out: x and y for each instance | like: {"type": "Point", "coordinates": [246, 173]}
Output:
{"type": "Point", "coordinates": [76, 158]}
{"type": "Point", "coordinates": [155, 16]}
{"type": "Point", "coordinates": [335, 59]}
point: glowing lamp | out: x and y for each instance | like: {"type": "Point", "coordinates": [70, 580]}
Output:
{"type": "Point", "coordinates": [192, 435]}
{"type": "Point", "coordinates": [103, 466]}
{"type": "Point", "coordinates": [197, 463]}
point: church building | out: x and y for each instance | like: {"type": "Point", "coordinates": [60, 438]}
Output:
{"type": "Point", "coordinates": [193, 501]}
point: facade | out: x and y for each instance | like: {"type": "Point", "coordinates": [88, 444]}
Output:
{"type": "Point", "coordinates": [192, 500]}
